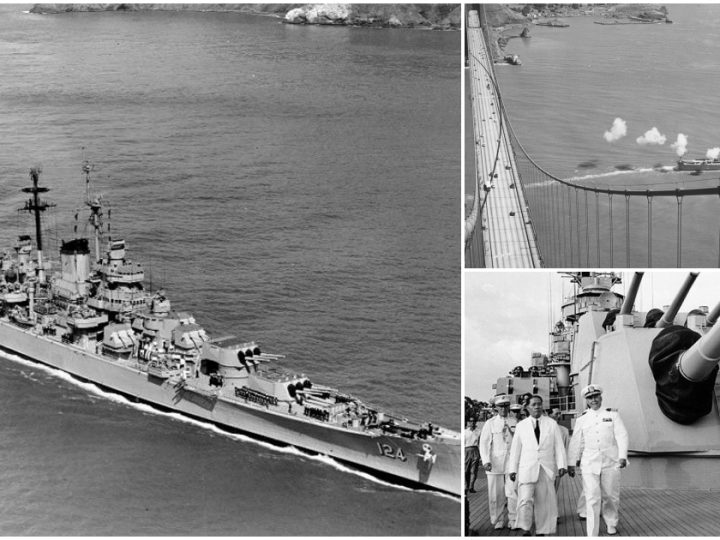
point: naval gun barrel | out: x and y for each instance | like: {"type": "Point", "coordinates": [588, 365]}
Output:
{"type": "Point", "coordinates": [698, 361]}
{"type": "Point", "coordinates": [712, 317]}
{"type": "Point", "coordinates": [669, 316]}
{"type": "Point", "coordinates": [629, 301]}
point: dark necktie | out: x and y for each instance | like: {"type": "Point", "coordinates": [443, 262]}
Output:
{"type": "Point", "coordinates": [537, 430]}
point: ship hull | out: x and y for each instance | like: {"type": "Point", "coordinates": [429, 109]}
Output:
{"type": "Point", "coordinates": [409, 460]}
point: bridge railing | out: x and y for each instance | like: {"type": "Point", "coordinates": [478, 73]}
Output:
{"type": "Point", "coordinates": [594, 226]}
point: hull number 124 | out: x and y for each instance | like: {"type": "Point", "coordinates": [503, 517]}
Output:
{"type": "Point", "coordinates": [388, 451]}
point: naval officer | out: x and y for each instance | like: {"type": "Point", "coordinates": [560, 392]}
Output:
{"type": "Point", "coordinates": [536, 455]}
{"type": "Point", "coordinates": [600, 442]}
{"type": "Point", "coordinates": [495, 441]}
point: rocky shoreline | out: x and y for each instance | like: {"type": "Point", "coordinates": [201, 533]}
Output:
{"type": "Point", "coordinates": [427, 16]}
{"type": "Point", "coordinates": [508, 21]}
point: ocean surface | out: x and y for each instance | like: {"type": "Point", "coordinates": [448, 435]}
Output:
{"type": "Point", "coordinates": [575, 81]}
{"type": "Point", "coordinates": [296, 185]}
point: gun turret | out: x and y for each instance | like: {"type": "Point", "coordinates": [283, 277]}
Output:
{"type": "Point", "coordinates": [669, 316]}
{"type": "Point", "coordinates": [685, 366]}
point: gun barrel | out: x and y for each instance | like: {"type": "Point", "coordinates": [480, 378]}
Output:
{"type": "Point", "coordinates": [699, 360]}
{"type": "Point", "coordinates": [712, 317]}
{"type": "Point", "coordinates": [629, 301]}
{"type": "Point", "coordinates": [669, 316]}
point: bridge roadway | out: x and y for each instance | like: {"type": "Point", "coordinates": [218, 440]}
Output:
{"type": "Point", "coordinates": [508, 237]}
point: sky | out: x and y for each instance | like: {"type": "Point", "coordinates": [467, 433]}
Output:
{"type": "Point", "coordinates": [508, 315]}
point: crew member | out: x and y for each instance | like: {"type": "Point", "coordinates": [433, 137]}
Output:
{"type": "Point", "coordinates": [600, 443]}
{"type": "Point", "coordinates": [536, 455]}
{"type": "Point", "coordinates": [495, 441]}
{"type": "Point", "coordinates": [516, 411]}
{"type": "Point", "coordinates": [471, 436]}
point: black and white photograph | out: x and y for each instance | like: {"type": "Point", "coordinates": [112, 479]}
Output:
{"type": "Point", "coordinates": [590, 136]}
{"type": "Point", "coordinates": [591, 403]}
{"type": "Point", "coordinates": [230, 283]}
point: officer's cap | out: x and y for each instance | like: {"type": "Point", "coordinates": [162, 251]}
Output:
{"type": "Point", "coordinates": [515, 407]}
{"type": "Point", "coordinates": [592, 390]}
{"type": "Point", "coordinates": [502, 400]}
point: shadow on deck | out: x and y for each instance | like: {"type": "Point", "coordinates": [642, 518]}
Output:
{"type": "Point", "coordinates": [643, 512]}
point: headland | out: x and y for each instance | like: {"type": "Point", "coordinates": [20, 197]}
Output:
{"type": "Point", "coordinates": [422, 16]}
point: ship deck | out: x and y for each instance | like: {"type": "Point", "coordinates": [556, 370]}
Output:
{"type": "Point", "coordinates": [643, 512]}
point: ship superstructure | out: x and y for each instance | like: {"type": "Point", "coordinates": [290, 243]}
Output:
{"type": "Point", "coordinates": [94, 319]}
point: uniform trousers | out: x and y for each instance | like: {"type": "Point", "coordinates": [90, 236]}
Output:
{"type": "Point", "coordinates": [502, 499]}
{"type": "Point", "coordinates": [538, 500]}
{"type": "Point", "coordinates": [602, 493]}
{"type": "Point", "coordinates": [582, 503]}
{"type": "Point", "coordinates": [472, 463]}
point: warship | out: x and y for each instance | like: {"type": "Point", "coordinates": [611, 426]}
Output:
{"type": "Point", "coordinates": [698, 165]}
{"type": "Point", "coordinates": [92, 317]}
{"type": "Point", "coordinates": [658, 368]}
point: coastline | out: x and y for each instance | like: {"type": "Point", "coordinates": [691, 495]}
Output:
{"type": "Point", "coordinates": [419, 16]}
{"type": "Point", "coordinates": [509, 21]}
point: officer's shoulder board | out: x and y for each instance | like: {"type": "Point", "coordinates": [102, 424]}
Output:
{"type": "Point", "coordinates": [611, 410]}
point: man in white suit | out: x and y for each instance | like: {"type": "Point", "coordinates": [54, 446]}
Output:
{"type": "Point", "coordinates": [600, 442]}
{"type": "Point", "coordinates": [536, 455]}
{"type": "Point", "coordinates": [495, 441]}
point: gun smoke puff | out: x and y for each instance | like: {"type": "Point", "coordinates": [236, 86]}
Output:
{"type": "Point", "coordinates": [617, 131]}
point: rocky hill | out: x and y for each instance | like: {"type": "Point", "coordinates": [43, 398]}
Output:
{"type": "Point", "coordinates": [432, 16]}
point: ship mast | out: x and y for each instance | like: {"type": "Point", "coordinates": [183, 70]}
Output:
{"type": "Point", "coordinates": [37, 206]}
{"type": "Point", "coordinates": [95, 205]}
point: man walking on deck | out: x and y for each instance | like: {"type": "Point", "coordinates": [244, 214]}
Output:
{"type": "Point", "coordinates": [471, 436]}
{"type": "Point", "coordinates": [536, 455]}
{"type": "Point", "coordinates": [600, 442]}
{"type": "Point", "coordinates": [495, 441]}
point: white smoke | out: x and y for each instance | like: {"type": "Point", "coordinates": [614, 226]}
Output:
{"type": "Point", "coordinates": [713, 153]}
{"type": "Point", "coordinates": [680, 145]}
{"type": "Point", "coordinates": [652, 136]}
{"type": "Point", "coordinates": [617, 131]}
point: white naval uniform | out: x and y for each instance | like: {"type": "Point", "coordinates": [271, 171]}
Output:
{"type": "Point", "coordinates": [495, 442]}
{"type": "Point", "coordinates": [600, 440]}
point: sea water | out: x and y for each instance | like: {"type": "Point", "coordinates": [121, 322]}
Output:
{"type": "Point", "coordinates": [295, 185]}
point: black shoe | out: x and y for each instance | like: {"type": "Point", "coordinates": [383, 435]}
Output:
{"type": "Point", "coordinates": [472, 490]}
{"type": "Point", "coordinates": [582, 518]}
{"type": "Point", "coordinates": [526, 533]}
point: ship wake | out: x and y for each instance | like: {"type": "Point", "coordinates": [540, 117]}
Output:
{"type": "Point", "coordinates": [586, 177]}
